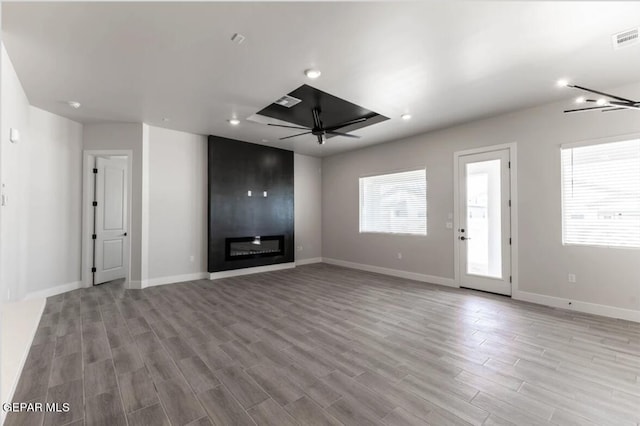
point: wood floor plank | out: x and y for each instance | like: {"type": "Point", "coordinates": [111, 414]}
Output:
{"type": "Point", "coordinates": [99, 377]}
{"type": "Point", "coordinates": [307, 412]}
{"type": "Point", "coordinates": [137, 390]}
{"type": "Point", "coordinates": [223, 409]}
{"type": "Point", "coordinates": [243, 387]}
{"type": "Point", "coordinates": [105, 409]}
{"type": "Point", "coordinates": [179, 401]}
{"type": "Point", "coordinates": [270, 413]}
{"type": "Point", "coordinates": [152, 415]}
{"type": "Point", "coordinates": [198, 375]}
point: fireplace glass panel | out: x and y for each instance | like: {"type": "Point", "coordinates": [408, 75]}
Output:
{"type": "Point", "coordinates": [251, 247]}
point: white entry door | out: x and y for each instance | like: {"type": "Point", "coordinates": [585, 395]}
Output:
{"type": "Point", "coordinates": [484, 222]}
{"type": "Point", "coordinates": [110, 232]}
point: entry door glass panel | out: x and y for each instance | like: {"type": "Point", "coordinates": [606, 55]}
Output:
{"type": "Point", "coordinates": [484, 224]}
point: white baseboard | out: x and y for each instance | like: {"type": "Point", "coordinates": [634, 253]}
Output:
{"type": "Point", "coordinates": [53, 291]}
{"type": "Point", "coordinates": [308, 261]}
{"type": "Point", "coordinates": [133, 285]}
{"type": "Point", "coordinates": [249, 271]}
{"type": "Point", "coordinates": [449, 282]}
{"type": "Point", "coordinates": [173, 279]}
{"type": "Point", "coordinates": [31, 332]}
{"type": "Point", "coordinates": [578, 306]}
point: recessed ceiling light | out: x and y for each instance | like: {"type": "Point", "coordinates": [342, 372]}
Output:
{"type": "Point", "coordinates": [312, 73]}
{"type": "Point", "coordinates": [562, 83]}
{"type": "Point", "coordinates": [406, 116]}
{"type": "Point", "coordinates": [601, 101]}
{"type": "Point", "coordinates": [74, 104]}
{"type": "Point", "coordinates": [234, 121]}
{"type": "Point", "coordinates": [580, 100]}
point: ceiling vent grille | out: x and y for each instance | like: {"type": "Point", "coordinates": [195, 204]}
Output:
{"type": "Point", "coordinates": [287, 101]}
{"type": "Point", "coordinates": [625, 38]}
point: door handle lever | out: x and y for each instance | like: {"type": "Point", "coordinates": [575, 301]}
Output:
{"type": "Point", "coordinates": [464, 238]}
{"type": "Point", "coordinates": [124, 235]}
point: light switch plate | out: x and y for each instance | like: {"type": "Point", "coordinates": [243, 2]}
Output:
{"type": "Point", "coordinates": [14, 135]}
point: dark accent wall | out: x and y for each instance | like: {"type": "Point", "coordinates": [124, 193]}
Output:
{"type": "Point", "coordinates": [237, 167]}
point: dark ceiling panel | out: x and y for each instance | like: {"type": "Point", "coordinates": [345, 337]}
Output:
{"type": "Point", "coordinates": [333, 110]}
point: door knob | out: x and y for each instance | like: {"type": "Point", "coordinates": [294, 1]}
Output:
{"type": "Point", "coordinates": [124, 235]}
{"type": "Point", "coordinates": [465, 238]}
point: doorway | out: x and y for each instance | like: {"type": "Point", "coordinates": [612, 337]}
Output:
{"type": "Point", "coordinates": [484, 212]}
{"type": "Point", "coordinates": [106, 217]}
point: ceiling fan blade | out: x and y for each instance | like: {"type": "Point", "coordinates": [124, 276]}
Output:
{"type": "Point", "coordinates": [586, 109]}
{"type": "Point", "coordinates": [613, 109]}
{"type": "Point", "coordinates": [293, 136]}
{"type": "Point", "coordinates": [346, 123]}
{"type": "Point", "coordinates": [288, 127]}
{"type": "Point", "coordinates": [342, 134]}
{"type": "Point", "coordinates": [601, 93]}
{"type": "Point", "coordinates": [632, 105]}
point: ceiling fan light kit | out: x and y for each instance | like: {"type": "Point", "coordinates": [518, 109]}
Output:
{"type": "Point", "coordinates": [605, 102]}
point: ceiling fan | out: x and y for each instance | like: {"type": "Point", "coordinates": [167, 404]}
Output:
{"type": "Point", "coordinates": [319, 130]}
{"type": "Point", "coordinates": [613, 103]}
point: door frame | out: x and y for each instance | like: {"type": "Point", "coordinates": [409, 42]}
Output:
{"type": "Point", "coordinates": [88, 163]}
{"type": "Point", "coordinates": [513, 158]}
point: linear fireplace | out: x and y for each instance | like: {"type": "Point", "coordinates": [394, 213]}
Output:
{"type": "Point", "coordinates": [252, 247]}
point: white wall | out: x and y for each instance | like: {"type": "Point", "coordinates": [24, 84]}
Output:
{"type": "Point", "coordinates": [308, 206]}
{"type": "Point", "coordinates": [124, 136]}
{"type": "Point", "coordinates": [15, 167]}
{"type": "Point", "coordinates": [605, 276]}
{"type": "Point", "coordinates": [53, 212]}
{"type": "Point", "coordinates": [177, 167]}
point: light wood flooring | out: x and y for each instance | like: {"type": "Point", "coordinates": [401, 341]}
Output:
{"type": "Point", "coordinates": [323, 345]}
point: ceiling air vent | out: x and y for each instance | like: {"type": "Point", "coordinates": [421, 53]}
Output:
{"type": "Point", "coordinates": [625, 38]}
{"type": "Point", "coordinates": [287, 101]}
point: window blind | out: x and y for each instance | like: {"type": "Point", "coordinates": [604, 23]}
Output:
{"type": "Point", "coordinates": [601, 194]}
{"type": "Point", "coordinates": [394, 203]}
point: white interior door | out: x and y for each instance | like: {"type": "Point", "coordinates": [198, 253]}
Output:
{"type": "Point", "coordinates": [484, 222]}
{"type": "Point", "coordinates": [110, 232]}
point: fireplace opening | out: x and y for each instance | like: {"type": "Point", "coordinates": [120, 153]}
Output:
{"type": "Point", "coordinates": [252, 247]}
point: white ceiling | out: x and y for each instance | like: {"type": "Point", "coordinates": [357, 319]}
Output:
{"type": "Point", "coordinates": [443, 62]}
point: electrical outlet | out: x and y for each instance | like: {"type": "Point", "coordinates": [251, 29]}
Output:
{"type": "Point", "coordinates": [399, 255]}
{"type": "Point", "coordinates": [299, 248]}
{"type": "Point", "coordinates": [571, 278]}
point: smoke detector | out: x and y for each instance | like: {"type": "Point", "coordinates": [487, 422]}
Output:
{"type": "Point", "coordinates": [625, 38]}
{"type": "Point", "coordinates": [287, 101]}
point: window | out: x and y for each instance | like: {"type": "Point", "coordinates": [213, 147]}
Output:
{"type": "Point", "coordinates": [394, 203]}
{"type": "Point", "coordinates": [601, 194]}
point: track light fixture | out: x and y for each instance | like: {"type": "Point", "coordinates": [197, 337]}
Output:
{"type": "Point", "coordinates": [605, 103]}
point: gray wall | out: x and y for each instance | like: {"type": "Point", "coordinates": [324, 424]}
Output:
{"type": "Point", "coordinates": [606, 276]}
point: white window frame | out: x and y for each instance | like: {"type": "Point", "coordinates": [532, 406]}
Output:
{"type": "Point", "coordinates": [392, 172]}
{"type": "Point", "coordinates": [584, 143]}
